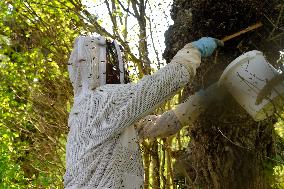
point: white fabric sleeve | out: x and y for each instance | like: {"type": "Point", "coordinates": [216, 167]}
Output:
{"type": "Point", "coordinates": [151, 91]}
{"type": "Point", "coordinates": [158, 126]}
{"type": "Point", "coordinates": [189, 111]}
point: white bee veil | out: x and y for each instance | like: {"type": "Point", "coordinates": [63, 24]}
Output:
{"type": "Point", "coordinates": [87, 65]}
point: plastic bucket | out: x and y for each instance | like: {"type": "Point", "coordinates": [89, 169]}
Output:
{"type": "Point", "coordinates": [245, 77]}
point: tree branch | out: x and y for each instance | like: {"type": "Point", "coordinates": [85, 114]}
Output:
{"type": "Point", "coordinates": [126, 9]}
{"type": "Point", "coordinates": [112, 18]}
{"type": "Point", "coordinates": [137, 14]}
{"type": "Point", "coordinates": [153, 43]}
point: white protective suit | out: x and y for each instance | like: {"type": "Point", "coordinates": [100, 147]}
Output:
{"type": "Point", "coordinates": [102, 150]}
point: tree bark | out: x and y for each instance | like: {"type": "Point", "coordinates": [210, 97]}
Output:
{"type": "Point", "coordinates": [228, 149]}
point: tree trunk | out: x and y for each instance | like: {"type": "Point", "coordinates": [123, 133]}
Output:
{"type": "Point", "coordinates": [228, 149]}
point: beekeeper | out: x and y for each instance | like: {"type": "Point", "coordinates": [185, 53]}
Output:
{"type": "Point", "coordinates": [102, 150]}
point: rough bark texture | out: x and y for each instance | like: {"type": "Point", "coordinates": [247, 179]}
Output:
{"type": "Point", "coordinates": [228, 149]}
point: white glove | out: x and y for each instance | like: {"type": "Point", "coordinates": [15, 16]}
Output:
{"type": "Point", "coordinates": [159, 126]}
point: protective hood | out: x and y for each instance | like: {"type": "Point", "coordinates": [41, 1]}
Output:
{"type": "Point", "coordinates": [86, 65]}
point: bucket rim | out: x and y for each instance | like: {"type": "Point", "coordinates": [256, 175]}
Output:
{"type": "Point", "coordinates": [238, 61]}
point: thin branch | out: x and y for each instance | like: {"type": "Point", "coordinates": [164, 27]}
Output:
{"type": "Point", "coordinates": [112, 18]}
{"type": "Point", "coordinates": [77, 4]}
{"type": "Point", "coordinates": [118, 9]}
{"type": "Point", "coordinates": [142, 8]}
{"type": "Point", "coordinates": [64, 4]}
{"type": "Point", "coordinates": [145, 4]}
{"type": "Point", "coordinates": [31, 10]}
{"type": "Point", "coordinates": [125, 32]}
{"type": "Point", "coordinates": [134, 7]}
{"type": "Point", "coordinates": [277, 161]}
{"type": "Point", "coordinates": [52, 6]}
{"type": "Point", "coordinates": [232, 141]}
{"type": "Point", "coordinates": [153, 43]}
{"type": "Point", "coordinates": [276, 36]}
{"type": "Point", "coordinates": [278, 21]}
{"type": "Point", "coordinates": [143, 51]}
{"type": "Point", "coordinates": [125, 9]}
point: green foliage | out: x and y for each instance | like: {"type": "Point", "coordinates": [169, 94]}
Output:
{"type": "Point", "coordinates": [11, 175]}
{"type": "Point", "coordinates": [279, 177]}
{"type": "Point", "coordinates": [35, 40]}
{"type": "Point", "coordinates": [278, 170]}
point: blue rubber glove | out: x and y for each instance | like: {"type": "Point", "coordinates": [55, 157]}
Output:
{"type": "Point", "coordinates": [207, 45]}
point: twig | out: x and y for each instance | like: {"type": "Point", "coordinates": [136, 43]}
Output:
{"type": "Point", "coordinates": [277, 161]}
{"type": "Point", "coordinates": [271, 22]}
{"type": "Point", "coordinates": [134, 3]}
{"type": "Point", "coordinates": [277, 23]}
{"type": "Point", "coordinates": [276, 36]}
{"type": "Point", "coordinates": [126, 9]}
{"type": "Point", "coordinates": [153, 43]}
{"type": "Point", "coordinates": [112, 18]}
{"type": "Point", "coordinates": [232, 141]}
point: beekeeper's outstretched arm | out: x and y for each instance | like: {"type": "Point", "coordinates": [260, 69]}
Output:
{"type": "Point", "coordinates": [151, 91]}
{"type": "Point", "coordinates": [163, 84]}
{"type": "Point", "coordinates": [186, 113]}
{"type": "Point", "coordinates": [172, 121]}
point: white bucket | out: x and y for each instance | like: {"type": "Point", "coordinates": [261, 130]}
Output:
{"type": "Point", "coordinates": [245, 77]}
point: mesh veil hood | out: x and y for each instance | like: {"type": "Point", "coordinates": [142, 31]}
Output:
{"type": "Point", "coordinates": [86, 65]}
